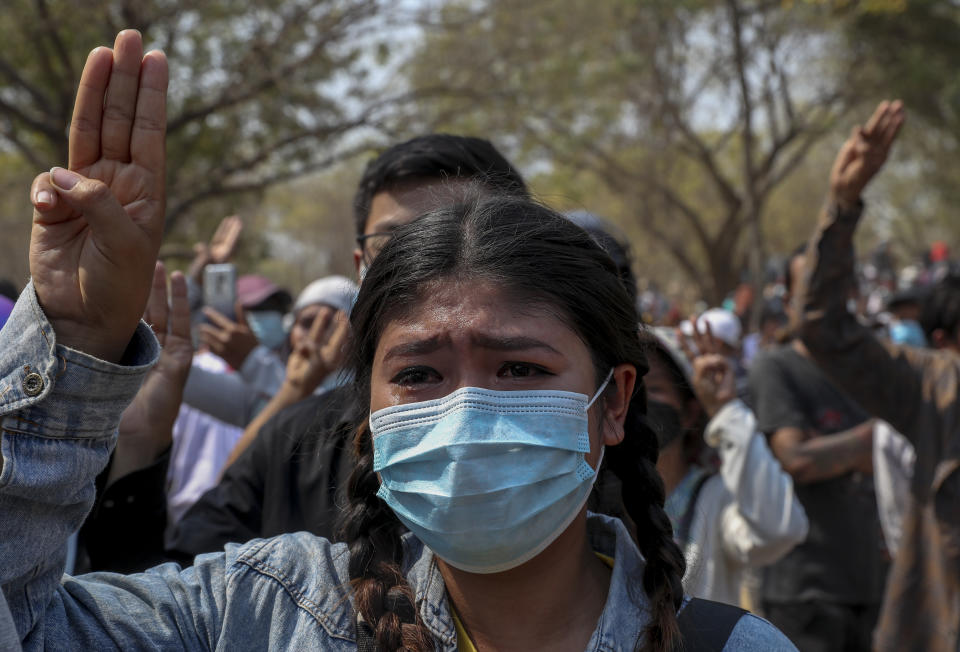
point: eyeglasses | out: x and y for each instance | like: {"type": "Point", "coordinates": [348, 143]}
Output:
{"type": "Point", "coordinates": [371, 243]}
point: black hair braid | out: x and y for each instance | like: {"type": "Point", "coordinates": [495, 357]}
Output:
{"type": "Point", "coordinates": [372, 532]}
{"type": "Point", "coordinates": [643, 495]}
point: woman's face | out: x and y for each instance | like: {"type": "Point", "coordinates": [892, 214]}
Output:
{"type": "Point", "coordinates": [471, 335]}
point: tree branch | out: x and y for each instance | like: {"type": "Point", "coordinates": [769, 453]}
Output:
{"type": "Point", "coordinates": [54, 36]}
{"type": "Point", "coordinates": [219, 188]}
{"type": "Point", "coordinates": [232, 95]}
{"type": "Point", "coordinates": [10, 133]}
{"type": "Point", "coordinates": [696, 148]}
{"type": "Point", "coordinates": [8, 71]}
{"type": "Point", "coordinates": [50, 132]}
{"type": "Point", "coordinates": [746, 102]}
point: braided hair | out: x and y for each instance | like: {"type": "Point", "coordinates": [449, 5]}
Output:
{"type": "Point", "coordinates": [533, 255]}
{"type": "Point", "coordinates": [634, 462]}
{"type": "Point", "coordinates": [382, 596]}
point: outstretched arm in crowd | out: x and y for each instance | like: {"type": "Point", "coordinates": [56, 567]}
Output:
{"type": "Point", "coordinates": [891, 382]}
{"type": "Point", "coordinates": [146, 428]}
{"type": "Point", "coordinates": [72, 357]}
{"type": "Point", "coordinates": [765, 520]}
{"type": "Point", "coordinates": [222, 246]}
{"type": "Point", "coordinates": [319, 354]}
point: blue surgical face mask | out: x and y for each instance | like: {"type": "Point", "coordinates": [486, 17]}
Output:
{"type": "Point", "coordinates": [267, 325]}
{"type": "Point", "coordinates": [486, 479]}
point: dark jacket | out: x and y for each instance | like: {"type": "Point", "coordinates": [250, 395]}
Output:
{"type": "Point", "coordinates": [916, 391]}
{"type": "Point", "coordinates": [286, 481]}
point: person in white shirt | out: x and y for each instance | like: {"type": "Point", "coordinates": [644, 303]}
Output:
{"type": "Point", "coordinates": [746, 514]}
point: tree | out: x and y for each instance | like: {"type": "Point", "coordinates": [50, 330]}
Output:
{"type": "Point", "coordinates": [261, 90]}
{"type": "Point", "coordinates": [691, 112]}
{"type": "Point", "coordinates": [913, 54]}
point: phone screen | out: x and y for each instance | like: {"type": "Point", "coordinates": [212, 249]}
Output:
{"type": "Point", "coordinates": [220, 288]}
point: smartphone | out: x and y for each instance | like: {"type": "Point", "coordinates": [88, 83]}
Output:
{"type": "Point", "coordinates": [220, 288]}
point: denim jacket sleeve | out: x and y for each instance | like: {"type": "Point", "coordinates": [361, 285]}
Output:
{"type": "Point", "coordinates": [8, 633]}
{"type": "Point", "coordinates": [59, 410]}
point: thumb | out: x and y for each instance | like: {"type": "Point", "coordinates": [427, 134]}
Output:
{"type": "Point", "coordinates": [240, 314]}
{"type": "Point", "coordinates": [43, 196]}
{"type": "Point", "coordinates": [92, 198]}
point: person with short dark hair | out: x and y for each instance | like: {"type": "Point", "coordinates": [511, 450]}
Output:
{"type": "Point", "coordinates": [415, 175]}
{"type": "Point", "coordinates": [825, 594]}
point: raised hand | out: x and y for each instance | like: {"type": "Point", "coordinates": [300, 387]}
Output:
{"type": "Point", "coordinates": [222, 246]}
{"type": "Point", "coordinates": [864, 152]}
{"type": "Point", "coordinates": [231, 340]}
{"type": "Point", "coordinates": [713, 376]}
{"type": "Point", "coordinates": [320, 353]}
{"type": "Point", "coordinates": [224, 240]}
{"type": "Point", "coordinates": [146, 427]}
{"type": "Point", "coordinates": [97, 225]}
{"type": "Point", "coordinates": [698, 342]}
{"type": "Point", "coordinates": [314, 358]}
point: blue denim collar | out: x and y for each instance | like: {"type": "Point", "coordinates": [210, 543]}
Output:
{"type": "Point", "coordinates": [625, 613]}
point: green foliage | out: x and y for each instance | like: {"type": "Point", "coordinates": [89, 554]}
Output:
{"type": "Point", "coordinates": [913, 55]}
{"type": "Point", "coordinates": [651, 99]}
{"type": "Point", "coordinates": [260, 91]}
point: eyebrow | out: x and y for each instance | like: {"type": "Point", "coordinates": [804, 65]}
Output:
{"type": "Point", "coordinates": [418, 347]}
{"type": "Point", "coordinates": [432, 344]}
{"type": "Point", "coordinates": [517, 343]}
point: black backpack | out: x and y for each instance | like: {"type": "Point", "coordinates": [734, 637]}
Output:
{"type": "Point", "coordinates": [706, 625]}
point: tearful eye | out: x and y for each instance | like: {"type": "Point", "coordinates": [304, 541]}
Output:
{"type": "Point", "coordinates": [521, 370]}
{"type": "Point", "coordinates": [416, 376]}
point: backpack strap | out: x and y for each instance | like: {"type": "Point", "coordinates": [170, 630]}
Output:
{"type": "Point", "coordinates": [706, 625]}
{"type": "Point", "coordinates": [682, 534]}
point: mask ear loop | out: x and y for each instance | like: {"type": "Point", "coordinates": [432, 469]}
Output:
{"type": "Point", "coordinates": [603, 386]}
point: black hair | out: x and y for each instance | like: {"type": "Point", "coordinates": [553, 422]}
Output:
{"type": "Point", "coordinates": [614, 242]}
{"type": "Point", "coordinates": [535, 255]}
{"type": "Point", "coordinates": [941, 307]}
{"type": "Point", "coordinates": [434, 157]}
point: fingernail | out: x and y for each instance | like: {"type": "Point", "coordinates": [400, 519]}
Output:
{"type": "Point", "coordinates": [45, 199]}
{"type": "Point", "coordinates": [64, 178]}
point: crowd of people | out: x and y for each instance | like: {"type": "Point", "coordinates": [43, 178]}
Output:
{"type": "Point", "coordinates": [492, 440]}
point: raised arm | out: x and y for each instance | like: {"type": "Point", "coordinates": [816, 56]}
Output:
{"type": "Point", "coordinates": [74, 353]}
{"type": "Point", "coordinates": [884, 379]}
{"type": "Point", "coordinates": [765, 519]}
{"type": "Point", "coordinates": [146, 428]}
{"type": "Point", "coordinates": [97, 225]}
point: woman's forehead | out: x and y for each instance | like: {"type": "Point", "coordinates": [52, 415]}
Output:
{"type": "Point", "coordinates": [475, 311]}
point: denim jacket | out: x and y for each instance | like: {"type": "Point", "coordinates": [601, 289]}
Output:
{"type": "Point", "coordinates": [60, 410]}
